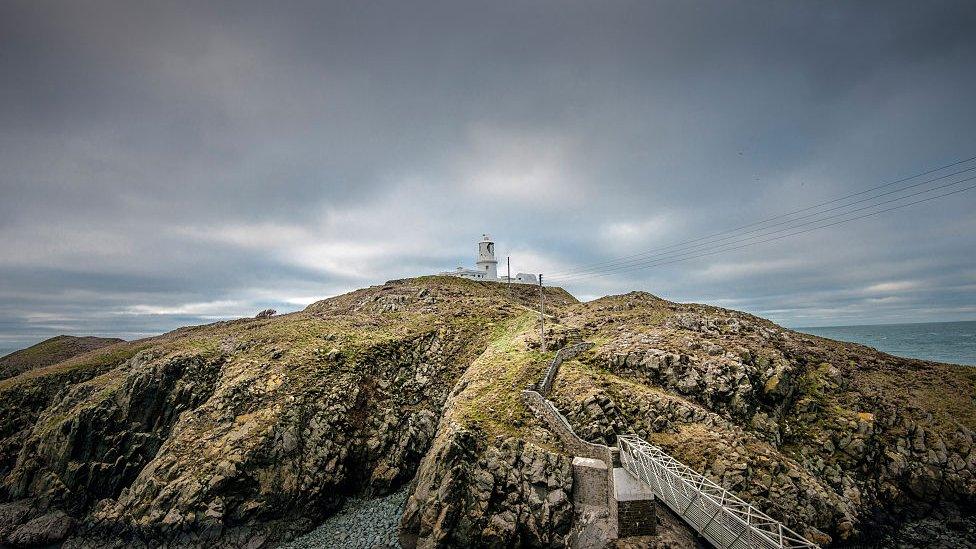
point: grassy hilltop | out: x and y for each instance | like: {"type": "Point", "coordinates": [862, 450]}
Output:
{"type": "Point", "coordinates": [254, 430]}
{"type": "Point", "coordinates": [50, 351]}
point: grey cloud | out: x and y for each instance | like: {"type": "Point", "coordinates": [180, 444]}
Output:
{"type": "Point", "coordinates": [165, 156]}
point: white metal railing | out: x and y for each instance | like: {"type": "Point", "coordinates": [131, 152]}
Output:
{"type": "Point", "coordinates": [717, 514]}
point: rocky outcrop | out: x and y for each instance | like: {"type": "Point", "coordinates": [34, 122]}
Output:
{"type": "Point", "coordinates": [358, 431]}
{"type": "Point", "coordinates": [839, 441]}
{"type": "Point", "coordinates": [47, 529]}
{"type": "Point", "coordinates": [471, 492]}
{"type": "Point", "coordinates": [246, 432]}
{"type": "Point", "coordinates": [78, 454]}
{"type": "Point", "coordinates": [250, 432]}
{"type": "Point", "coordinates": [493, 478]}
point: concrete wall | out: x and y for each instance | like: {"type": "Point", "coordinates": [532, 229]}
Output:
{"type": "Point", "coordinates": [631, 507]}
{"type": "Point", "coordinates": [598, 479]}
{"type": "Point", "coordinates": [590, 483]}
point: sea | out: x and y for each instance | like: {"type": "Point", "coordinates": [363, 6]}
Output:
{"type": "Point", "coordinates": [952, 342]}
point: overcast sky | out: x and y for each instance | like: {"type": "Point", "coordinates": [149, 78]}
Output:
{"type": "Point", "coordinates": [169, 163]}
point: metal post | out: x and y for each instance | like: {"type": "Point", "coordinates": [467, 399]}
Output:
{"type": "Point", "coordinates": [508, 259]}
{"type": "Point", "coordinates": [542, 314]}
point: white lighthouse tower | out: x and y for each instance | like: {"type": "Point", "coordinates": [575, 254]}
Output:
{"type": "Point", "coordinates": [486, 258]}
{"type": "Point", "coordinates": [487, 269]}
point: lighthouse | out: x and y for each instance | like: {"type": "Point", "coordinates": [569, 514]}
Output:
{"type": "Point", "coordinates": [486, 258]}
{"type": "Point", "coordinates": [487, 269]}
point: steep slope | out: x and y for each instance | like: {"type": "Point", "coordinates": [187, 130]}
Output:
{"type": "Point", "coordinates": [248, 432]}
{"type": "Point", "coordinates": [50, 351]}
{"type": "Point", "coordinates": [242, 432]}
{"type": "Point", "coordinates": [841, 442]}
{"type": "Point", "coordinates": [494, 477]}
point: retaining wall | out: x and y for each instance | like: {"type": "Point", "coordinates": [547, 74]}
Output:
{"type": "Point", "coordinates": [546, 411]}
{"type": "Point", "coordinates": [629, 508]}
{"type": "Point", "coordinates": [566, 353]}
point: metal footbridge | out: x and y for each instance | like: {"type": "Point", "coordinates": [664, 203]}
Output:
{"type": "Point", "coordinates": [714, 512]}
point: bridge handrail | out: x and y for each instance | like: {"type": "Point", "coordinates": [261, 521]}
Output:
{"type": "Point", "coordinates": [717, 514]}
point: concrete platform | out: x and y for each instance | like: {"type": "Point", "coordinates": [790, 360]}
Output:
{"type": "Point", "coordinates": [628, 488]}
{"type": "Point", "coordinates": [631, 509]}
{"type": "Point", "coordinates": [590, 482]}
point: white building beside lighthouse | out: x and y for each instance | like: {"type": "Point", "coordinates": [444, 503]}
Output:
{"type": "Point", "coordinates": [487, 266]}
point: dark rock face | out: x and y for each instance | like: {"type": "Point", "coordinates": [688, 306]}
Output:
{"type": "Point", "coordinates": [239, 434]}
{"type": "Point", "coordinates": [834, 439]}
{"type": "Point", "coordinates": [12, 515]}
{"type": "Point", "coordinates": [79, 455]}
{"type": "Point", "coordinates": [271, 461]}
{"type": "Point", "coordinates": [470, 493]}
{"type": "Point", "coordinates": [26, 397]}
{"type": "Point", "coordinates": [44, 530]}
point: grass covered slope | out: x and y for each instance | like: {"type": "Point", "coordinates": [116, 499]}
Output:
{"type": "Point", "coordinates": [50, 351]}
{"type": "Point", "coordinates": [494, 476]}
{"type": "Point", "coordinates": [246, 432]}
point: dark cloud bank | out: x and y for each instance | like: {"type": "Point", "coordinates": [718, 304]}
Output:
{"type": "Point", "coordinates": [174, 163]}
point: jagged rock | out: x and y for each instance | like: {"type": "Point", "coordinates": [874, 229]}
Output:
{"type": "Point", "coordinates": [472, 494]}
{"type": "Point", "coordinates": [12, 515]}
{"type": "Point", "coordinates": [46, 529]}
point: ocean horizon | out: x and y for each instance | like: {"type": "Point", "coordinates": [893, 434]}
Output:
{"type": "Point", "coordinates": [951, 342]}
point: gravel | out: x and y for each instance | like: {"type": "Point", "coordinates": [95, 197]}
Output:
{"type": "Point", "coordinates": [361, 524]}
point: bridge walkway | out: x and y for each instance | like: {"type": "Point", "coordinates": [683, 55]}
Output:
{"type": "Point", "coordinates": [715, 513]}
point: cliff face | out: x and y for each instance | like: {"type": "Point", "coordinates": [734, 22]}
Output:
{"type": "Point", "coordinates": [839, 440]}
{"type": "Point", "coordinates": [494, 476]}
{"type": "Point", "coordinates": [241, 432]}
{"type": "Point", "coordinates": [248, 432]}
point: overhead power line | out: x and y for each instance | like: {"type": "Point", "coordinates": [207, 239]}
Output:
{"type": "Point", "coordinates": [737, 238]}
{"type": "Point", "coordinates": [713, 252]}
{"type": "Point", "coordinates": [710, 239]}
{"type": "Point", "coordinates": [644, 260]}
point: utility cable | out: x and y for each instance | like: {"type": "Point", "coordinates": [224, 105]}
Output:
{"type": "Point", "coordinates": [723, 249]}
{"type": "Point", "coordinates": [742, 237]}
{"type": "Point", "coordinates": [648, 253]}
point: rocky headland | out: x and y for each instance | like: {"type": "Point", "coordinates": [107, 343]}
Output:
{"type": "Point", "coordinates": [50, 351]}
{"type": "Point", "coordinates": [253, 432]}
